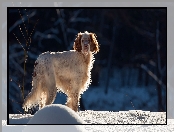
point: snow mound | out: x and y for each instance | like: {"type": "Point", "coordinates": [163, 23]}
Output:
{"type": "Point", "coordinates": [56, 114]}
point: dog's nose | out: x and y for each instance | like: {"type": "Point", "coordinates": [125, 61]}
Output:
{"type": "Point", "coordinates": [86, 42]}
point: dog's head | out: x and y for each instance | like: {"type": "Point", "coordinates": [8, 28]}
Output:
{"type": "Point", "coordinates": [86, 42]}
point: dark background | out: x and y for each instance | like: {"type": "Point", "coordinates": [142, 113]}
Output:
{"type": "Point", "coordinates": [131, 39]}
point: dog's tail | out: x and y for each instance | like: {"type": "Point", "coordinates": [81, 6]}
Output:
{"type": "Point", "coordinates": [32, 100]}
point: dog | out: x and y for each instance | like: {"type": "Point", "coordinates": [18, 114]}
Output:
{"type": "Point", "coordinates": [67, 71]}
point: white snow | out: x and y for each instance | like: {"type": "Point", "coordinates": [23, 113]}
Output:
{"type": "Point", "coordinates": [56, 114]}
{"type": "Point", "coordinates": [61, 114]}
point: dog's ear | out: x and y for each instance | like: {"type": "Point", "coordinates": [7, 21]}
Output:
{"type": "Point", "coordinates": [94, 47]}
{"type": "Point", "coordinates": [77, 43]}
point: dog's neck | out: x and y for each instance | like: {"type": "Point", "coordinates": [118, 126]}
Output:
{"type": "Point", "coordinates": [88, 57]}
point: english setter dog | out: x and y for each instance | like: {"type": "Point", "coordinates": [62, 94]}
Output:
{"type": "Point", "coordinates": [68, 72]}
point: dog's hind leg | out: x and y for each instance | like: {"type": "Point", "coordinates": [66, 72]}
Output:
{"type": "Point", "coordinates": [51, 95]}
{"type": "Point", "coordinates": [51, 90]}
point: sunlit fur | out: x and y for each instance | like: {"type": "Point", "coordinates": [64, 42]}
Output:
{"type": "Point", "coordinates": [68, 71]}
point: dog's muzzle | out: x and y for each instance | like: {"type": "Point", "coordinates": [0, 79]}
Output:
{"type": "Point", "coordinates": [86, 48]}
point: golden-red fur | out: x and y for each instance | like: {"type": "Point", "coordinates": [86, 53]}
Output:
{"type": "Point", "coordinates": [68, 71]}
{"type": "Point", "coordinates": [94, 47]}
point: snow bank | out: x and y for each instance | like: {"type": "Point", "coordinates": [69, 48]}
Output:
{"type": "Point", "coordinates": [56, 114]}
{"type": "Point", "coordinates": [51, 114]}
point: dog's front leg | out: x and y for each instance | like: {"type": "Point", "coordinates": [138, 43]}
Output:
{"type": "Point", "coordinates": [73, 101]}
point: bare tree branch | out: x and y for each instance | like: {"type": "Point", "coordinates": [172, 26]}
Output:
{"type": "Point", "coordinates": [153, 76]}
{"type": "Point", "coordinates": [18, 22]}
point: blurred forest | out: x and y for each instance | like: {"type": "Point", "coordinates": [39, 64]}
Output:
{"type": "Point", "coordinates": [131, 39]}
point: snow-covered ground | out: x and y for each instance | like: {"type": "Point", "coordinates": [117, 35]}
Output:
{"type": "Point", "coordinates": [93, 117]}
{"type": "Point", "coordinates": [60, 114]}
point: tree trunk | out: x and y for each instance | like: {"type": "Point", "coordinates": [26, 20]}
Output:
{"type": "Point", "coordinates": [158, 69]}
